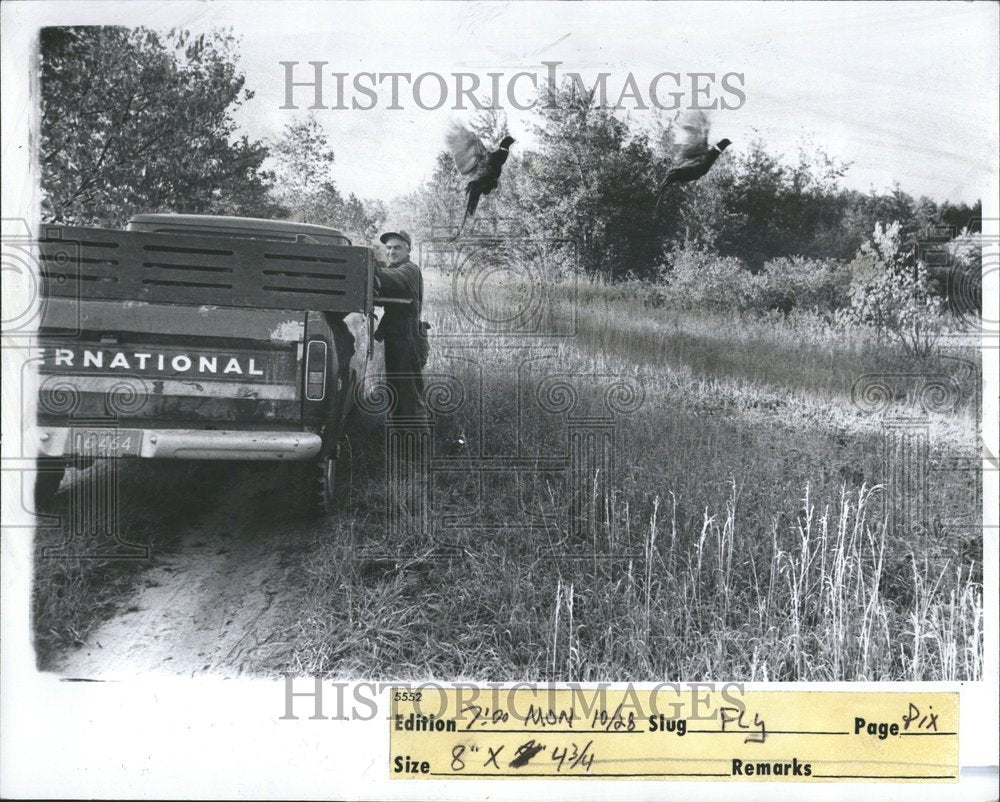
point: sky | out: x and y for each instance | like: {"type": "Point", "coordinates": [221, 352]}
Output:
{"type": "Point", "coordinates": [906, 92]}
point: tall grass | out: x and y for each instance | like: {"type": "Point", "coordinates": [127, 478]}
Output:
{"type": "Point", "coordinates": [743, 535]}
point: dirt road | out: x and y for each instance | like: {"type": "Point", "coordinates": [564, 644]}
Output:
{"type": "Point", "coordinates": [210, 600]}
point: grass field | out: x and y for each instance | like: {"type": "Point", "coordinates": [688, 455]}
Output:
{"type": "Point", "coordinates": [743, 533]}
{"type": "Point", "coordinates": [740, 531]}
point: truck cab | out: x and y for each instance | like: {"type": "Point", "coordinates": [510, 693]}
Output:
{"type": "Point", "coordinates": [202, 337]}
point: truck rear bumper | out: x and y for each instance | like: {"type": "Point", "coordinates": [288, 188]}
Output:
{"type": "Point", "coordinates": [59, 441]}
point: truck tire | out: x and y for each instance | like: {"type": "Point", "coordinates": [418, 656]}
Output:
{"type": "Point", "coordinates": [318, 486]}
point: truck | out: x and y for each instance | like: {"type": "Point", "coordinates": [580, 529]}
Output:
{"type": "Point", "coordinates": [198, 337]}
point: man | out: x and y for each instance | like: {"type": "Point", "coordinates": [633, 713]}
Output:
{"type": "Point", "coordinates": [400, 328]}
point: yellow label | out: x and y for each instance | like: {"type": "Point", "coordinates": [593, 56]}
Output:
{"type": "Point", "coordinates": [683, 733]}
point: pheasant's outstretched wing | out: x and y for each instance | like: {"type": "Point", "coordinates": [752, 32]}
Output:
{"type": "Point", "coordinates": [469, 154]}
{"type": "Point", "coordinates": [691, 135]}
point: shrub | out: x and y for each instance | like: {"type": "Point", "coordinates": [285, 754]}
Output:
{"type": "Point", "coordinates": [890, 292]}
{"type": "Point", "coordinates": [963, 283]}
{"type": "Point", "coordinates": [697, 278]}
{"type": "Point", "coordinates": [701, 279]}
{"type": "Point", "coordinates": [798, 282]}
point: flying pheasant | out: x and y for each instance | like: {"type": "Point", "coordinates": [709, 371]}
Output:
{"type": "Point", "coordinates": [472, 159]}
{"type": "Point", "coordinates": [695, 155]}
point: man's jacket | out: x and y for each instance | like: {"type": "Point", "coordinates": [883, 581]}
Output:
{"type": "Point", "coordinates": [400, 281]}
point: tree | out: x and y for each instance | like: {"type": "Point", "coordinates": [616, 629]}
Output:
{"type": "Point", "coordinates": [436, 208]}
{"type": "Point", "coordinates": [303, 162]}
{"type": "Point", "coordinates": [136, 121]}
{"type": "Point", "coordinates": [362, 217]}
{"type": "Point", "coordinates": [592, 180]}
{"type": "Point", "coordinates": [757, 206]}
{"type": "Point", "coordinates": [890, 291]}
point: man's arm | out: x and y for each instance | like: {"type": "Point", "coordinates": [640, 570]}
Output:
{"type": "Point", "coordinates": [397, 282]}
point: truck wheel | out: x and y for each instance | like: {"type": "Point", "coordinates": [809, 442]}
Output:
{"type": "Point", "coordinates": [319, 486]}
{"type": "Point", "coordinates": [49, 476]}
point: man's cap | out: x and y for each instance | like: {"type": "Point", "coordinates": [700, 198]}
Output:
{"type": "Point", "coordinates": [388, 235]}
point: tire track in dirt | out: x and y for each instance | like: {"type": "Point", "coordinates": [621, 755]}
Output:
{"type": "Point", "coordinates": [212, 604]}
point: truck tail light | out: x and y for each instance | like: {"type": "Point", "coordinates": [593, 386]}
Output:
{"type": "Point", "coordinates": [315, 370]}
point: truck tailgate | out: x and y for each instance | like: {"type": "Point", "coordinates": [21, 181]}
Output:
{"type": "Point", "coordinates": [148, 365]}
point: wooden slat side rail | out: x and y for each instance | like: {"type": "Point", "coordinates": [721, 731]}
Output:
{"type": "Point", "coordinates": [108, 264]}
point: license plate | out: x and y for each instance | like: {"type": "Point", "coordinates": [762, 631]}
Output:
{"type": "Point", "coordinates": [107, 442]}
